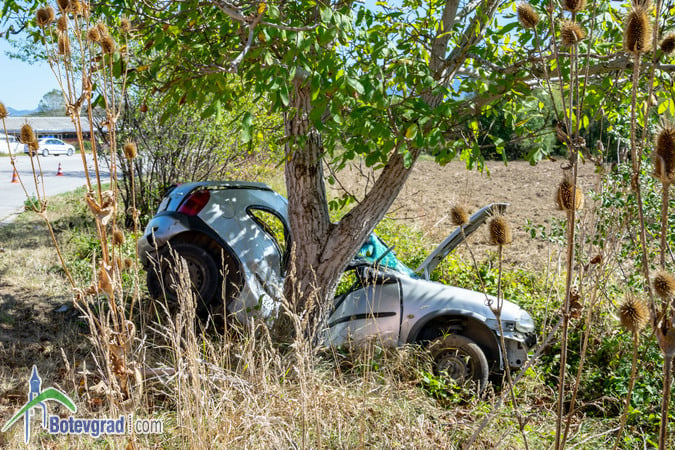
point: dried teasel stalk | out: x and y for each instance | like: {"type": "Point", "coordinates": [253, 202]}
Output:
{"type": "Point", "coordinates": [664, 285]}
{"type": "Point", "coordinates": [564, 195]}
{"type": "Point", "coordinates": [459, 215]}
{"type": "Point", "coordinates": [130, 150]}
{"type": "Point", "coordinates": [571, 33]}
{"type": "Point", "coordinates": [573, 5]}
{"type": "Point", "coordinates": [125, 25]}
{"type": "Point", "coordinates": [108, 44]}
{"type": "Point", "coordinates": [633, 314]}
{"type": "Point", "coordinates": [93, 34]}
{"type": "Point", "coordinates": [44, 16]}
{"type": "Point", "coordinates": [27, 135]}
{"type": "Point", "coordinates": [527, 16]}
{"type": "Point", "coordinates": [117, 237]}
{"type": "Point", "coordinates": [102, 29]}
{"type": "Point", "coordinates": [668, 44]}
{"type": "Point", "coordinates": [637, 33]}
{"type": "Point", "coordinates": [500, 231]}
{"type": "Point", "coordinates": [62, 23]}
{"type": "Point", "coordinates": [64, 44]}
{"type": "Point", "coordinates": [664, 156]}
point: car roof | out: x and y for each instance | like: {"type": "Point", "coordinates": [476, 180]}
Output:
{"type": "Point", "coordinates": [188, 187]}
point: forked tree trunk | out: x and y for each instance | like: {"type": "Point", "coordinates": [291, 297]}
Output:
{"type": "Point", "coordinates": [321, 249]}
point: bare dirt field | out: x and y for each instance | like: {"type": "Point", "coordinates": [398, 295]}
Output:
{"type": "Point", "coordinates": [432, 190]}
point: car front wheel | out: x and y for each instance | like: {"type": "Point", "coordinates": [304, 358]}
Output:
{"type": "Point", "coordinates": [70, 152]}
{"type": "Point", "coordinates": [460, 359]}
{"type": "Point", "coordinates": [163, 279]}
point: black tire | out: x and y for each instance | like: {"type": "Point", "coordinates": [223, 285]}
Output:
{"type": "Point", "coordinates": [204, 275]}
{"type": "Point", "coordinates": [45, 152]}
{"type": "Point", "coordinates": [70, 152]}
{"type": "Point", "coordinates": [461, 359]}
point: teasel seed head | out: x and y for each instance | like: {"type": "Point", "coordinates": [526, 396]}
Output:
{"type": "Point", "coordinates": [128, 263]}
{"type": "Point", "coordinates": [76, 7]}
{"type": "Point", "coordinates": [33, 146]}
{"type": "Point", "coordinates": [500, 231]}
{"type": "Point", "coordinates": [125, 25]}
{"type": "Point", "coordinates": [646, 4]}
{"type": "Point", "coordinates": [130, 150]}
{"type": "Point", "coordinates": [564, 195]}
{"type": "Point", "coordinates": [44, 16]}
{"type": "Point", "coordinates": [107, 44]}
{"type": "Point", "coordinates": [62, 23]}
{"type": "Point", "coordinates": [637, 34]}
{"type": "Point", "coordinates": [27, 135]}
{"type": "Point", "coordinates": [573, 5]}
{"type": "Point", "coordinates": [664, 157]}
{"type": "Point", "coordinates": [527, 16]}
{"type": "Point", "coordinates": [117, 236]}
{"type": "Point", "coordinates": [102, 29]}
{"type": "Point", "coordinates": [633, 314]}
{"type": "Point", "coordinates": [93, 34]}
{"type": "Point", "coordinates": [63, 4]}
{"type": "Point", "coordinates": [64, 45]}
{"type": "Point", "coordinates": [668, 44]}
{"type": "Point", "coordinates": [3, 111]}
{"type": "Point", "coordinates": [571, 33]}
{"type": "Point", "coordinates": [664, 285]}
{"type": "Point", "coordinates": [459, 215]}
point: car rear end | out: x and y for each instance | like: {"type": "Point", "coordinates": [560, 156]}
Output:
{"type": "Point", "coordinates": [216, 215]}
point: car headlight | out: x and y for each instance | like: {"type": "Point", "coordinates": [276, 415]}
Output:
{"type": "Point", "coordinates": [524, 323]}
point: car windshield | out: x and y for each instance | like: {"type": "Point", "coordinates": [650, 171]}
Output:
{"type": "Point", "coordinates": [374, 251]}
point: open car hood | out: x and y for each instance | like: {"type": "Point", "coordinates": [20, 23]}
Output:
{"type": "Point", "coordinates": [456, 238]}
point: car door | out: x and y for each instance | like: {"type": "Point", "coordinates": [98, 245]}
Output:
{"type": "Point", "coordinates": [56, 146]}
{"type": "Point", "coordinates": [368, 312]}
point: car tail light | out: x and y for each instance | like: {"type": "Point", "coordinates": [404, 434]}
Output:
{"type": "Point", "coordinates": [195, 202]}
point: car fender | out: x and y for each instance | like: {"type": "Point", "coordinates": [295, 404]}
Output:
{"type": "Point", "coordinates": [478, 330]}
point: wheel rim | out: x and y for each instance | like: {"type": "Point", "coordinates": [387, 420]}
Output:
{"type": "Point", "coordinates": [456, 364]}
{"type": "Point", "coordinates": [195, 270]}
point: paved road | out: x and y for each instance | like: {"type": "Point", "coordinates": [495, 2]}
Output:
{"type": "Point", "coordinates": [13, 196]}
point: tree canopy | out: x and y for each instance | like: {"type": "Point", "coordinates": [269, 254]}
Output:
{"type": "Point", "coordinates": [382, 83]}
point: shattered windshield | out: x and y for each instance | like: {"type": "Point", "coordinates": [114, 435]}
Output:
{"type": "Point", "coordinates": [374, 251]}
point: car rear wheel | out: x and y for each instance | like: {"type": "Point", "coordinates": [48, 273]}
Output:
{"type": "Point", "coordinates": [163, 280]}
{"type": "Point", "coordinates": [461, 359]}
{"type": "Point", "coordinates": [45, 152]}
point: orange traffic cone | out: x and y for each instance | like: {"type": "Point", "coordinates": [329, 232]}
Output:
{"type": "Point", "coordinates": [15, 176]}
{"type": "Point", "coordinates": [59, 172]}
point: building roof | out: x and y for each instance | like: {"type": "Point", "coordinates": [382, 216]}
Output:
{"type": "Point", "coordinates": [45, 124]}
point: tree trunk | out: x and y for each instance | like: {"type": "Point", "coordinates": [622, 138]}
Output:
{"type": "Point", "coordinates": [321, 249]}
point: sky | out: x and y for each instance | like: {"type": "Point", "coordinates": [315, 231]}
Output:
{"type": "Point", "coordinates": [22, 85]}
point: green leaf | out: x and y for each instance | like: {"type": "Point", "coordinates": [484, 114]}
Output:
{"type": "Point", "coordinates": [355, 84]}
{"type": "Point", "coordinates": [663, 106]}
{"type": "Point", "coordinates": [246, 123]}
{"type": "Point", "coordinates": [411, 132]}
{"type": "Point", "coordinates": [284, 95]}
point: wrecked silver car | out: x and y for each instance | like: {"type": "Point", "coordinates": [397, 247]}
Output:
{"type": "Point", "coordinates": [234, 237]}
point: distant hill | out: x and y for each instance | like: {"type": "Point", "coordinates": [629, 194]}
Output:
{"type": "Point", "coordinates": [20, 112]}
